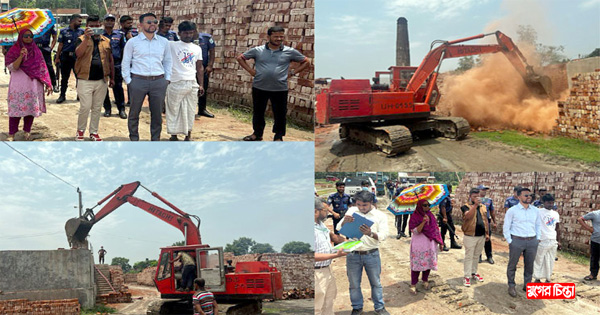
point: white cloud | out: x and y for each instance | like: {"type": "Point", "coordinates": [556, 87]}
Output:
{"type": "Point", "coordinates": [443, 9]}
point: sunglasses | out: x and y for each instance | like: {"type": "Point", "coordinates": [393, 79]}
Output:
{"type": "Point", "coordinates": [28, 36]}
{"type": "Point", "coordinates": [152, 22]}
{"type": "Point", "coordinates": [526, 195]}
{"type": "Point", "coordinates": [426, 205]}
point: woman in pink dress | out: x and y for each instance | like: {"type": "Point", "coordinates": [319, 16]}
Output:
{"type": "Point", "coordinates": [424, 242]}
{"type": "Point", "coordinates": [28, 77]}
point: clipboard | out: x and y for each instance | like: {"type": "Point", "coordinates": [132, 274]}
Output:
{"type": "Point", "coordinates": [351, 230]}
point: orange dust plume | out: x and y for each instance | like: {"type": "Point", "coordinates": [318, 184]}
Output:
{"type": "Point", "coordinates": [494, 95]}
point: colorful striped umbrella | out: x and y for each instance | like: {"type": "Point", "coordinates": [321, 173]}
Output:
{"type": "Point", "coordinates": [406, 202]}
{"type": "Point", "coordinates": [39, 21]}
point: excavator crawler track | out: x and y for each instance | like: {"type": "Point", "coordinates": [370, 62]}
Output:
{"type": "Point", "coordinates": [452, 127]}
{"type": "Point", "coordinates": [390, 140]}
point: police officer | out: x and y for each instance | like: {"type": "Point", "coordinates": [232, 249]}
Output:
{"type": "Point", "coordinates": [164, 29]}
{"type": "Point", "coordinates": [117, 43]}
{"type": "Point", "coordinates": [128, 33]}
{"type": "Point", "coordinates": [206, 42]}
{"type": "Point", "coordinates": [340, 202]}
{"type": "Point", "coordinates": [65, 55]}
{"type": "Point", "coordinates": [43, 43]}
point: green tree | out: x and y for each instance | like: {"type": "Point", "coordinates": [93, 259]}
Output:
{"type": "Point", "coordinates": [595, 53]}
{"type": "Point", "coordinates": [467, 62]}
{"type": "Point", "coordinates": [179, 243]}
{"type": "Point", "coordinates": [262, 248]}
{"type": "Point", "coordinates": [296, 247]}
{"type": "Point", "coordinates": [123, 262]}
{"type": "Point", "coordinates": [141, 265]}
{"type": "Point", "coordinates": [241, 246]}
{"type": "Point", "coordinates": [548, 54]}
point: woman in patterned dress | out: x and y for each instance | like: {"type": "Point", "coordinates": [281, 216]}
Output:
{"type": "Point", "coordinates": [425, 240]}
{"type": "Point", "coordinates": [28, 78]}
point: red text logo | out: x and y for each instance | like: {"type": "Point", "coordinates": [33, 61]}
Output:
{"type": "Point", "coordinates": [551, 291]}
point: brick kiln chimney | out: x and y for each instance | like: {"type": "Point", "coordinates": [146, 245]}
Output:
{"type": "Point", "coordinates": [402, 44]}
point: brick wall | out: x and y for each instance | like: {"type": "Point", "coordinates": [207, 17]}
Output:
{"type": "Point", "coordinates": [579, 115]}
{"type": "Point", "coordinates": [576, 193]}
{"type": "Point", "coordinates": [48, 307]}
{"type": "Point", "coordinates": [237, 25]}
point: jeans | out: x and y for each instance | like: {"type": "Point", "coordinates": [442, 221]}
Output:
{"type": "Point", "coordinates": [372, 265]}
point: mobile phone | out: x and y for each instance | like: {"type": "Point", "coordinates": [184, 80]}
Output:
{"type": "Point", "coordinates": [97, 30]}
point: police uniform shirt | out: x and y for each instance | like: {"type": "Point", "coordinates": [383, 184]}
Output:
{"type": "Point", "coordinates": [206, 42]}
{"type": "Point", "coordinates": [117, 43]}
{"type": "Point", "coordinates": [43, 42]}
{"type": "Point", "coordinates": [68, 37]}
{"type": "Point", "coordinates": [170, 36]}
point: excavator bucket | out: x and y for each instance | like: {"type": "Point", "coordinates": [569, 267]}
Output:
{"type": "Point", "coordinates": [77, 230]}
{"type": "Point", "coordinates": [540, 85]}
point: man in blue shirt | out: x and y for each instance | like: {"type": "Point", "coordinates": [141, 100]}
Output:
{"type": "Point", "coordinates": [117, 43]}
{"type": "Point", "coordinates": [271, 67]}
{"type": "Point", "coordinates": [146, 68]}
{"type": "Point", "coordinates": [206, 42]}
{"type": "Point", "coordinates": [43, 43]}
{"type": "Point", "coordinates": [65, 54]}
{"type": "Point", "coordinates": [340, 201]}
{"type": "Point", "coordinates": [522, 226]}
{"type": "Point", "coordinates": [128, 33]}
{"type": "Point", "coordinates": [164, 29]}
{"type": "Point", "coordinates": [491, 217]}
{"type": "Point", "coordinates": [512, 200]}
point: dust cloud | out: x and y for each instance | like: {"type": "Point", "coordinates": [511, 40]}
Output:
{"type": "Point", "coordinates": [494, 95]}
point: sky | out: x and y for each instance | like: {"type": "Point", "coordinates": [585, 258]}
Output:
{"type": "Point", "coordinates": [355, 38]}
{"type": "Point", "coordinates": [262, 191]}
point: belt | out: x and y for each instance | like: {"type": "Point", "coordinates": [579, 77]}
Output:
{"type": "Point", "coordinates": [319, 267]}
{"type": "Point", "coordinates": [522, 238]}
{"type": "Point", "coordinates": [366, 252]}
{"type": "Point", "coordinates": [68, 53]}
{"type": "Point", "coordinates": [147, 77]}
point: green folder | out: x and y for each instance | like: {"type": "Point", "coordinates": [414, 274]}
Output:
{"type": "Point", "coordinates": [347, 246]}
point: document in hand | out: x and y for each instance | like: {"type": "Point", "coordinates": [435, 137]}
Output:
{"type": "Point", "coordinates": [347, 246]}
{"type": "Point", "coordinates": [351, 229]}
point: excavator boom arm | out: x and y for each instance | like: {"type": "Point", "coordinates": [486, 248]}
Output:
{"type": "Point", "coordinates": [77, 229]}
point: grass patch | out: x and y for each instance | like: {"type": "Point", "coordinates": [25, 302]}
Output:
{"type": "Point", "coordinates": [244, 114]}
{"type": "Point", "coordinates": [98, 309]}
{"type": "Point", "coordinates": [325, 192]}
{"type": "Point", "coordinates": [557, 146]}
{"type": "Point", "coordinates": [574, 257]}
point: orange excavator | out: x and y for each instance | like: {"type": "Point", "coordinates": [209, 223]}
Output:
{"type": "Point", "coordinates": [244, 285]}
{"type": "Point", "coordinates": [387, 116]}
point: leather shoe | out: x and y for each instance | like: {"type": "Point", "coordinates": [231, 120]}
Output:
{"type": "Point", "coordinates": [490, 260]}
{"type": "Point", "coordinates": [55, 89]}
{"type": "Point", "coordinates": [446, 248]}
{"type": "Point", "coordinates": [60, 99]}
{"type": "Point", "coordinates": [206, 113]}
{"type": "Point", "coordinates": [122, 114]}
{"type": "Point", "coordinates": [455, 246]}
{"type": "Point", "coordinates": [512, 292]}
{"type": "Point", "coordinates": [106, 114]}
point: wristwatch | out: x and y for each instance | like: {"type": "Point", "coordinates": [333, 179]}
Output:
{"type": "Point", "coordinates": [372, 235]}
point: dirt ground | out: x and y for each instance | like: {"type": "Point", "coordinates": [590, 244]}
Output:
{"type": "Point", "coordinates": [448, 295]}
{"type": "Point", "coordinates": [59, 123]}
{"type": "Point", "coordinates": [143, 295]}
{"type": "Point", "coordinates": [435, 155]}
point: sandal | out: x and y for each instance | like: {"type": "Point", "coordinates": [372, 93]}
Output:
{"type": "Point", "coordinates": [252, 137]}
{"type": "Point", "coordinates": [589, 278]}
{"type": "Point", "coordinates": [413, 289]}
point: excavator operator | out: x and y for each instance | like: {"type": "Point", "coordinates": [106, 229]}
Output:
{"type": "Point", "coordinates": [189, 271]}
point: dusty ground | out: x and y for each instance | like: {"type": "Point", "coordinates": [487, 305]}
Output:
{"type": "Point", "coordinates": [143, 296]}
{"type": "Point", "coordinates": [438, 154]}
{"type": "Point", "coordinates": [60, 122]}
{"type": "Point", "coordinates": [449, 296]}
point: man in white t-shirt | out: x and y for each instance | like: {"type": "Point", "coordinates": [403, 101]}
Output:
{"type": "Point", "coordinates": [549, 240]}
{"type": "Point", "coordinates": [186, 83]}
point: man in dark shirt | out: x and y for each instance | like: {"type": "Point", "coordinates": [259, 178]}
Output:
{"type": "Point", "coordinates": [65, 55]}
{"type": "Point", "coordinates": [538, 202]}
{"type": "Point", "coordinates": [340, 201]}
{"type": "Point", "coordinates": [512, 200]}
{"type": "Point", "coordinates": [43, 43]}
{"type": "Point", "coordinates": [164, 29]}
{"type": "Point", "coordinates": [491, 217]}
{"type": "Point", "coordinates": [128, 33]}
{"type": "Point", "coordinates": [206, 42]}
{"type": "Point", "coordinates": [117, 43]}
{"type": "Point", "coordinates": [446, 222]}
{"type": "Point", "coordinates": [475, 229]}
{"type": "Point", "coordinates": [94, 68]}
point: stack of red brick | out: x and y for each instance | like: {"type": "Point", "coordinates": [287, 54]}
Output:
{"type": "Point", "coordinates": [114, 297]}
{"type": "Point", "coordinates": [49, 307]}
{"type": "Point", "coordinates": [235, 27]}
{"type": "Point", "coordinates": [116, 277]}
{"type": "Point", "coordinates": [576, 193]}
{"type": "Point", "coordinates": [579, 115]}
